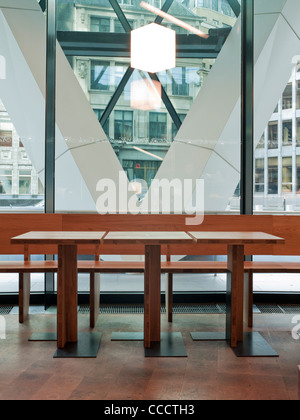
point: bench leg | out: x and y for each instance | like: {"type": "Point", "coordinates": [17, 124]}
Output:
{"type": "Point", "coordinates": [169, 296]}
{"type": "Point", "coordinates": [24, 296]}
{"type": "Point", "coordinates": [94, 298]}
{"type": "Point", "coordinates": [248, 298]}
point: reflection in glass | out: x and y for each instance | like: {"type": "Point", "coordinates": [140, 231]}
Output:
{"type": "Point", "coordinates": [287, 176]}
{"type": "Point", "coordinates": [273, 175]}
{"type": "Point", "coordinates": [17, 174]}
{"type": "Point", "coordinates": [287, 132]}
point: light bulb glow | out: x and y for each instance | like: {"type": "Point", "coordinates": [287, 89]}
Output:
{"type": "Point", "coordinates": [145, 94]}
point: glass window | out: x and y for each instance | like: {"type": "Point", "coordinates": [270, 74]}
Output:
{"type": "Point", "coordinates": [298, 174]}
{"type": "Point", "coordinates": [100, 75]}
{"type": "Point", "coordinates": [5, 181]}
{"type": "Point", "coordinates": [273, 135]}
{"type": "Point", "coordinates": [287, 97]}
{"type": "Point", "coordinates": [174, 128]}
{"type": "Point", "coordinates": [287, 131]}
{"type": "Point", "coordinates": [287, 175]}
{"type": "Point", "coordinates": [225, 8]}
{"type": "Point", "coordinates": [298, 131]}
{"type": "Point", "coordinates": [157, 126]}
{"type": "Point", "coordinates": [99, 24]}
{"type": "Point", "coordinates": [123, 125]}
{"type": "Point", "coordinates": [118, 26]}
{"type": "Point", "coordinates": [273, 175]}
{"type": "Point", "coordinates": [298, 93]}
{"type": "Point", "coordinates": [180, 85]}
{"type": "Point", "coordinates": [24, 182]}
{"type": "Point", "coordinates": [259, 176]}
{"type": "Point", "coordinates": [99, 113]}
{"type": "Point", "coordinates": [214, 5]}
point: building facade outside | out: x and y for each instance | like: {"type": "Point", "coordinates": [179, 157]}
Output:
{"type": "Point", "coordinates": [141, 138]}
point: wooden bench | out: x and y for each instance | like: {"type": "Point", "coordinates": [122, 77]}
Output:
{"type": "Point", "coordinates": [11, 225]}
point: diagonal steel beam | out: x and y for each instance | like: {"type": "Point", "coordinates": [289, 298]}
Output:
{"type": "Point", "coordinates": [114, 99]}
{"type": "Point", "coordinates": [236, 7]}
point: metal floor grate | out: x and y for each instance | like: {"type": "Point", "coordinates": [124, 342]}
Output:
{"type": "Point", "coordinates": [139, 309]}
{"type": "Point", "coordinates": [202, 308]}
{"type": "Point", "coordinates": [5, 309]}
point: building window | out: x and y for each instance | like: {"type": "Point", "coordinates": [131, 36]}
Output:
{"type": "Point", "coordinates": [104, 76]}
{"type": "Point", "coordinates": [273, 175]}
{"type": "Point", "coordinates": [214, 5]}
{"type": "Point", "coordinates": [99, 24]}
{"type": "Point", "coordinates": [5, 138]}
{"type": "Point", "coordinates": [180, 85]}
{"type": "Point", "coordinates": [225, 8]}
{"type": "Point", "coordinates": [99, 113]}
{"type": "Point", "coordinates": [203, 3]}
{"type": "Point", "coordinates": [259, 175]}
{"type": "Point", "coordinates": [126, 2]}
{"type": "Point", "coordinates": [287, 132]}
{"type": "Point", "coordinates": [287, 99]}
{"type": "Point", "coordinates": [25, 182]}
{"type": "Point", "coordinates": [157, 126]}
{"type": "Point", "coordinates": [100, 75]}
{"type": "Point", "coordinates": [123, 125]}
{"type": "Point", "coordinates": [298, 132]}
{"type": "Point", "coordinates": [5, 181]}
{"type": "Point", "coordinates": [174, 128]}
{"type": "Point", "coordinates": [273, 135]}
{"type": "Point", "coordinates": [286, 175]}
{"type": "Point", "coordinates": [298, 94]}
{"type": "Point", "coordinates": [298, 174]}
{"type": "Point", "coordinates": [118, 26]}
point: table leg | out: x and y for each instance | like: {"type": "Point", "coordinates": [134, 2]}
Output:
{"type": "Point", "coordinates": [157, 344]}
{"type": "Point", "coordinates": [67, 295]}
{"type": "Point", "coordinates": [235, 294]}
{"type": "Point", "coordinates": [244, 344]}
{"type": "Point", "coordinates": [152, 298]}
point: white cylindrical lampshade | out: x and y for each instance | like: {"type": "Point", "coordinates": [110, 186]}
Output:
{"type": "Point", "coordinates": [153, 48]}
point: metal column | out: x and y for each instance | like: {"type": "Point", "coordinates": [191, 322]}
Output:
{"type": "Point", "coordinates": [50, 129]}
{"type": "Point", "coordinates": [247, 114]}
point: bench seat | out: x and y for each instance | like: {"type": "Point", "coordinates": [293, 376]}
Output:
{"type": "Point", "coordinates": [28, 266]}
{"type": "Point", "coordinates": [168, 267]}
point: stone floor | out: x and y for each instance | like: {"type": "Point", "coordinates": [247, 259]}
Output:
{"type": "Point", "coordinates": [121, 372]}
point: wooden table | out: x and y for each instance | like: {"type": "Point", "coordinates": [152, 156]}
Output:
{"type": "Point", "coordinates": [156, 343]}
{"type": "Point", "coordinates": [244, 344]}
{"type": "Point", "coordinates": [69, 343]}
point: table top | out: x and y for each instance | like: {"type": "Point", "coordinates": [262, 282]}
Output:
{"type": "Point", "coordinates": [147, 238]}
{"type": "Point", "coordinates": [59, 237]}
{"type": "Point", "coordinates": [235, 238]}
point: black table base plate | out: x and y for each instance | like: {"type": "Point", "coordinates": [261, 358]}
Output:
{"type": "Point", "coordinates": [87, 346]}
{"type": "Point", "coordinates": [254, 345]}
{"type": "Point", "coordinates": [43, 337]}
{"type": "Point", "coordinates": [127, 336]}
{"type": "Point", "coordinates": [208, 336]}
{"type": "Point", "coordinates": [171, 345]}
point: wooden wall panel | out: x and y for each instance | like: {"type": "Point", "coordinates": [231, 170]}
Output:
{"type": "Point", "coordinates": [287, 227]}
